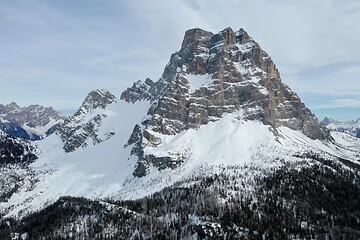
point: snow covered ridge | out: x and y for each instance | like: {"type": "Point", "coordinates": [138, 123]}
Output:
{"type": "Point", "coordinates": [31, 122]}
{"type": "Point", "coordinates": [350, 127]}
{"type": "Point", "coordinates": [219, 103]}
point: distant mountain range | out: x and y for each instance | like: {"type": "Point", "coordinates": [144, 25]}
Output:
{"type": "Point", "coordinates": [31, 122]}
{"type": "Point", "coordinates": [217, 148]}
{"type": "Point", "coordinates": [350, 127]}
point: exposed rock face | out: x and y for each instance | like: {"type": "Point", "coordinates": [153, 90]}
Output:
{"type": "Point", "coordinates": [142, 91]}
{"type": "Point", "coordinates": [83, 126]}
{"type": "Point", "coordinates": [99, 98]}
{"type": "Point", "coordinates": [216, 74]}
{"type": "Point", "coordinates": [159, 162]}
{"type": "Point", "coordinates": [25, 122]}
{"type": "Point", "coordinates": [136, 139]}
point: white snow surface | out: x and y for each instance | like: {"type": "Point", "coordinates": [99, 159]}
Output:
{"type": "Point", "coordinates": [105, 170]}
{"type": "Point", "coordinates": [96, 171]}
{"type": "Point", "coordinates": [198, 81]}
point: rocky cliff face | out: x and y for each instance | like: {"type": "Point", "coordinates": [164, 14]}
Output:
{"type": "Point", "coordinates": [215, 74]}
{"type": "Point", "coordinates": [29, 122]}
{"type": "Point", "coordinates": [82, 128]}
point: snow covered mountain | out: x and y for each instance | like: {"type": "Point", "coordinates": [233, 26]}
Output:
{"type": "Point", "coordinates": [31, 122]}
{"type": "Point", "coordinates": [219, 113]}
{"type": "Point", "coordinates": [350, 127]}
{"type": "Point", "coordinates": [84, 125]}
{"type": "Point", "coordinates": [213, 75]}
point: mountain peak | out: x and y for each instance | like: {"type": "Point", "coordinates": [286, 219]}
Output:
{"type": "Point", "coordinates": [213, 75]}
{"type": "Point", "coordinates": [13, 104]}
{"type": "Point", "coordinates": [327, 120]}
{"type": "Point", "coordinates": [195, 34]}
{"type": "Point", "coordinates": [243, 37]}
{"type": "Point", "coordinates": [31, 122]}
{"type": "Point", "coordinates": [98, 98]}
{"type": "Point", "coordinates": [229, 36]}
{"type": "Point", "coordinates": [81, 128]}
{"type": "Point", "coordinates": [216, 74]}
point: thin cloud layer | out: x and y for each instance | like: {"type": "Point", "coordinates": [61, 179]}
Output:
{"type": "Point", "coordinates": [56, 50]}
{"type": "Point", "coordinates": [340, 103]}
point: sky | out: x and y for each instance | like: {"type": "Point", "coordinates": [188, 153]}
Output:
{"type": "Point", "coordinates": [54, 52]}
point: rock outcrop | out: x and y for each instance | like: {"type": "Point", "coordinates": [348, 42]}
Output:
{"type": "Point", "coordinates": [83, 126]}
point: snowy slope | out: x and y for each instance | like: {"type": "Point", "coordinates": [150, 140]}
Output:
{"type": "Point", "coordinates": [96, 171]}
{"type": "Point", "coordinates": [106, 169]}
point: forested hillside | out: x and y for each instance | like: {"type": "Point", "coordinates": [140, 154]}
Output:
{"type": "Point", "coordinates": [310, 200]}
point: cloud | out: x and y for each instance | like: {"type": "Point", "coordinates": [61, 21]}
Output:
{"type": "Point", "coordinates": [300, 32]}
{"type": "Point", "coordinates": [339, 103]}
{"type": "Point", "coordinates": [70, 47]}
{"type": "Point", "coordinates": [334, 80]}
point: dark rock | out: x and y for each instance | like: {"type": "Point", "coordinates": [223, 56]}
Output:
{"type": "Point", "coordinates": [99, 98]}
{"type": "Point", "coordinates": [241, 76]}
{"type": "Point", "coordinates": [142, 167]}
{"type": "Point", "coordinates": [15, 151]}
{"type": "Point", "coordinates": [136, 139]}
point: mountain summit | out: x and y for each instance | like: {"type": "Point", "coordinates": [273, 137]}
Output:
{"type": "Point", "coordinates": [213, 75]}
{"type": "Point", "coordinates": [83, 126]}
